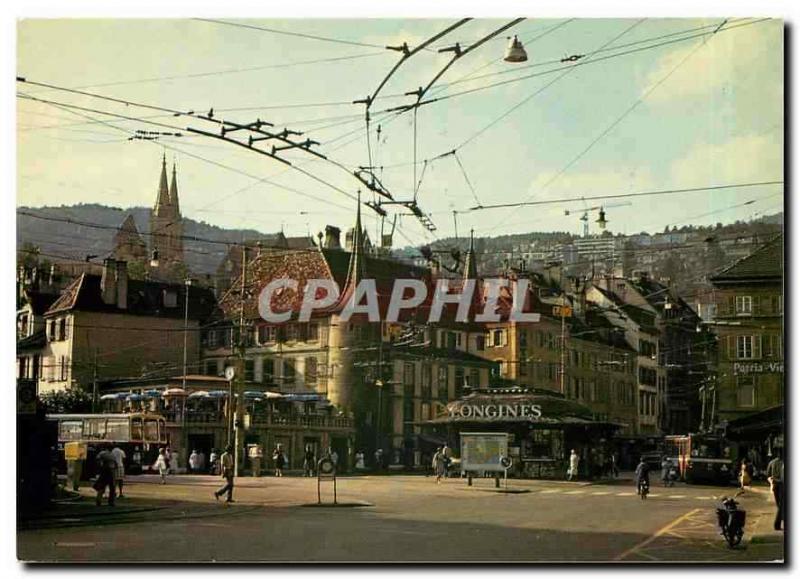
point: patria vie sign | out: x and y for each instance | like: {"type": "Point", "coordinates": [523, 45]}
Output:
{"type": "Point", "coordinates": [530, 411]}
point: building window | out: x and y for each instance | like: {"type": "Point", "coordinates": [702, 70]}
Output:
{"type": "Point", "coordinates": [443, 383]}
{"type": "Point", "coordinates": [523, 368]}
{"type": "Point", "coordinates": [744, 305]}
{"type": "Point", "coordinates": [498, 338]}
{"type": "Point", "coordinates": [744, 347]}
{"type": "Point", "coordinates": [267, 334]}
{"type": "Point", "coordinates": [292, 332]}
{"type": "Point", "coordinates": [451, 340]}
{"type": "Point", "coordinates": [311, 370]}
{"type": "Point", "coordinates": [51, 330]}
{"type": "Point", "coordinates": [427, 375]}
{"type": "Point", "coordinates": [313, 332]}
{"type": "Point", "coordinates": [475, 378]}
{"type": "Point", "coordinates": [480, 343]}
{"type": "Point", "coordinates": [408, 374]}
{"type": "Point", "coordinates": [211, 368]}
{"type": "Point", "coordinates": [745, 391]}
{"type": "Point", "coordinates": [64, 367]}
{"type": "Point", "coordinates": [267, 370]}
{"type": "Point", "coordinates": [289, 373]}
{"type": "Point", "coordinates": [249, 370]}
{"type": "Point", "coordinates": [211, 339]}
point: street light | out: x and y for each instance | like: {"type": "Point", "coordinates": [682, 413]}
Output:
{"type": "Point", "coordinates": [187, 284]}
{"type": "Point", "coordinates": [154, 259]}
{"type": "Point", "coordinates": [515, 52]}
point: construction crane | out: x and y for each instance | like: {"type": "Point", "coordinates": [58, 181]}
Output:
{"type": "Point", "coordinates": [601, 219]}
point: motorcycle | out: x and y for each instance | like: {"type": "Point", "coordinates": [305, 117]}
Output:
{"type": "Point", "coordinates": [731, 521]}
{"type": "Point", "coordinates": [643, 489]}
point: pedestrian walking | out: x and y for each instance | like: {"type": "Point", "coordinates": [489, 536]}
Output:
{"type": "Point", "coordinates": [226, 467]}
{"type": "Point", "coordinates": [168, 458]}
{"type": "Point", "coordinates": [745, 474]}
{"type": "Point", "coordinates": [119, 467]}
{"type": "Point", "coordinates": [201, 462]}
{"type": "Point", "coordinates": [194, 462]}
{"type": "Point", "coordinates": [212, 459]}
{"type": "Point", "coordinates": [379, 459]}
{"type": "Point", "coordinates": [666, 465]}
{"type": "Point", "coordinates": [106, 464]}
{"type": "Point", "coordinates": [279, 460]}
{"type": "Point", "coordinates": [308, 461]}
{"type": "Point", "coordinates": [360, 461]}
{"type": "Point", "coordinates": [438, 464]}
{"type": "Point", "coordinates": [775, 478]}
{"type": "Point", "coordinates": [614, 465]}
{"type": "Point", "coordinates": [448, 459]}
{"type": "Point", "coordinates": [162, 466]}
{"type": "Point", "coordinates": [574, 460]}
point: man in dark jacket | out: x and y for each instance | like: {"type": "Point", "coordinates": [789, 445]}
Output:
{"type": "Point", "coordinates": [775, 478]}
{"type": "Point", "coordinates": [227, 470]}
{"type": "Point", "coordinates": [106, 464]}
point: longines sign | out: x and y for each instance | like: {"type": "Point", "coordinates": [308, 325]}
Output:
{"type": "Point", "coordinates": [530, 411]}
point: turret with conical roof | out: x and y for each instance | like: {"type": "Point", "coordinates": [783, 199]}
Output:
{"type": "Point", "coordinates": [162, 200]}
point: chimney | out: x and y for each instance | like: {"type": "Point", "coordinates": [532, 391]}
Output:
{"type": "Point", "coordinates": [332, 237]}
{"type": "Point", "coordinates": [108, 282]}
{"type": "Point", "coordinates": [121, 275]}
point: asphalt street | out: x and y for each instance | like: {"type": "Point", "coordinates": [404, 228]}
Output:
{"type": "Point", "coordinates": [404, 519]}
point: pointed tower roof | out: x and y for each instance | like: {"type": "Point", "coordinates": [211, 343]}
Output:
{"type": "Point", "coordinates": [357, 267]}
{"type": "Point", "coordinates": [129, 225]}
{"type": "Point", "coordinates": [173, 191]}
{"type": "Point", "coordinates": [162, 201]}
{"type": "Point", "coordinates": [470, 263]}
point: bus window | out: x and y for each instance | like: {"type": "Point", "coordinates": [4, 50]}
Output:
{"type": "Point", "coordinates": [94, 429]}
{"type": "Point", "coordinates": [136, 429]}
{"type": "Point", "coordinates": [118, 429]}
{"type": "Point", "coordinates": [151, 430]}
{"type": "Point", "coordinates": [71, 430]}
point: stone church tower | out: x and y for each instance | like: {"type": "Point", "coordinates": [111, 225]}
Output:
{"type": "Point", "coordinates": [128, 244]}
{"type": "Point", "coordinates": [166, 224]}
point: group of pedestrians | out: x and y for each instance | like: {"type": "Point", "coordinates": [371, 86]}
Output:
{"type": "Point", "coordinates": [111, 473]}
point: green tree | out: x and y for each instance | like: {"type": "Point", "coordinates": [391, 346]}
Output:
{"type": "Point", "coordinates": [72, 400]}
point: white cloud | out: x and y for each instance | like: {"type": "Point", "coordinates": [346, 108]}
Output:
{"type": "Point", "coordinates": [742, 159]}
{"type": "Point", "coordinates": [728, 60]}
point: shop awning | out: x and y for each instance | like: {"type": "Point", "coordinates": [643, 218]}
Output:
{"type": "Point", "coordinates": [769, 421]}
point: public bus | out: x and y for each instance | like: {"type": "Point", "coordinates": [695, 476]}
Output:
{"type": "Point", "coordinates": [140, 435]}
{"type": "Point", "coordinates": [700, 458]}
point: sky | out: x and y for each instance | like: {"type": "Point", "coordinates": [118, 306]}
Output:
{"type": "Point", "coordinates": [702, 112]}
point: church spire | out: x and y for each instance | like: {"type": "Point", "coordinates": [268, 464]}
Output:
{"type": "Point", "coordinates": [470, 263]}
{"type": "Point", "coordinates": [162, 201]}
{"type": "Point", "coordinates": [357, 268]}
{"type": "Point", "coordinates": [173, 192]}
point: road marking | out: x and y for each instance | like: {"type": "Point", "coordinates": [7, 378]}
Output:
{"type": "Point", "coordinates": [624, 494]}
{"type": "Point", "coordinates": [654, 495]}
{"type": "Point", "coordinates": [574, 492]}
{"type": "Point", "coordinates": [549, 491]}
{"type": "Point", "coordinates": [677, 496]}
{"type": "Point", "coordinates": [601, 493]}
{"type": "Point", "coordinates": [74, 544]}
{"type": "Point", "coordinates": [656, 535]}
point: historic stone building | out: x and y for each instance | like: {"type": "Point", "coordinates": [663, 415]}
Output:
{"type": "Point", "coordinates": [749, 324]}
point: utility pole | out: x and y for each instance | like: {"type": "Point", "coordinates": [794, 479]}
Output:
{"type": "Point", "coordinates": [94, 383]}
{"type": "Point", "coordinates": [187, 285]}
{"type": "Point", "coordinates": [241, 346]}
{"type": "Point", "coordinates": [563, 348]}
